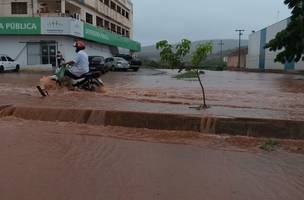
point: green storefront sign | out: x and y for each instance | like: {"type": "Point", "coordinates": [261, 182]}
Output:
{"type": "Point", "coordinates": [20, 25]}
{"type": "Point", "coordinates": [102, 36]}
{"type": "Point", "coordinates": [33, 26]}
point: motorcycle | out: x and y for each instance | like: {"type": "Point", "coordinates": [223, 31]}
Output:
{"type": "Point", "coordinates": [89, 81]}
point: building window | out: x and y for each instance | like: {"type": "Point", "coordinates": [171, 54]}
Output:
{"type": "Point", "coordinates": [113, 27]}
{"type": "Point", "coordinates": [89, 18]}
{"type": "Point", "coordinates": [119, 30]}
{"type": "Point", "coordinates": [107, 24]}
{"type": "Point", "coordinates": [118, 9]}
{"type": "Point", "coordinates": [127, 15]}
{"type": "Point", "coordinates": [123, 32]}
{"type": "Point", "coordinates": [113, 5]}
{"type": "Point", "coordinates": [19, 8]}
{"type": "Point", "coordinates": [99, 21]}
{"type": "Point", "coordinates": [107, 2]}
{"type": "Point", "coordinates": [128, 34]}
{"type": "Point", "coordinates": [123, 12]}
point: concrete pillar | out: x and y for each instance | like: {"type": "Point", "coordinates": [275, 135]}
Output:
{"type": "Point", "coordinates": [94, 20]}
{"type": "Point", "coordinates": [63, 6]}
{"type": "Point", "coordinates": [34, 7]}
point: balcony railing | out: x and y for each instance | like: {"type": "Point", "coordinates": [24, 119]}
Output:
{"type": "Point", "coordinates": [75, 15]}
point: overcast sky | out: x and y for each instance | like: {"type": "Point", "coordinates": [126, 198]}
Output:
{"type": "Point", "coordinates": [202, 19]}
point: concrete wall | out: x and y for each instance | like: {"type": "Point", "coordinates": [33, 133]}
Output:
{"type": "Point", "coordinates": [105, 12]}
{"type": "Point", "coordinates": [253, 50]}
{"type": "Point", "coordinates": [16, 47]}
{"type": "Point", "coordinates": [299, 65]}
{"type": "Point", "coordinates": [260, 58]}
{"type": "Point", "coordinates": [270, 55]}
{"type": "Point", "coordinates": [234, 60]}
{"type": "Point", "coordinates": [92, 49]}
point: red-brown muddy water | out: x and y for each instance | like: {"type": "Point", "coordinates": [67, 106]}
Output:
{"type": "Point", "coordinates": [236, 94]}
{"type": "Point", "coordinates": [43, 160]}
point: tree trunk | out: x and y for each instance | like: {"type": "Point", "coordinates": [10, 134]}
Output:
{"type": "Point", "coordinates": [204, 106]}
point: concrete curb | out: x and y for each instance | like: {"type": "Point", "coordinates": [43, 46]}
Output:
{"type": "Point", "coordinates": [268, 128]}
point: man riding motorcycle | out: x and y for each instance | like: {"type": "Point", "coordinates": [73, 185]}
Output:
{"type": "Point", "coordinates": [79, 74]}
{"type": "Point", "coordinates": [80, 65]}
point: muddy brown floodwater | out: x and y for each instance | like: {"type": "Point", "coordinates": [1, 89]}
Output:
{"type": "Point", "coordinates": [62, 161]}
{"type": "Point", "coordinates": [235, 94]}
{"type": "Point", "coordinates": [44, 160]}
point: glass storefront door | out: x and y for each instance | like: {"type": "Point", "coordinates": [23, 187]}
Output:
{"type": "Point", "coordinates": [48, 53]}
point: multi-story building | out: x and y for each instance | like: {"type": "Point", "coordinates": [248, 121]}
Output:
{"type": "Point", "coordinates": [259, 58]}
{"type": "Point", "coordinates": [33, 31]}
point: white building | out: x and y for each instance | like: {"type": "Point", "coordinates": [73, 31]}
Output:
{"type": "Point", "coordinates": [32, 31]}
{"type": "Point", "coordinates": [263, 59]}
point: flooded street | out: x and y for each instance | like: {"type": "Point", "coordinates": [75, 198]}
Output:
{"type": "Point", "coordinates": [44, 160]}
{"type": "Point", "coordinates": [64, 160]}
{"type": "Point", "coordinates": [235, 94]}
{"type": "Point", "coordinates": [86, 113]}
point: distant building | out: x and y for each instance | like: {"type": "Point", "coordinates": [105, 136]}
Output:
{"type": "Point", "coordinates": [33, 31]}
{"type": "Point", "coordinates": [233, 58]}
{"type": "Point", "coordinates": [263, 59]}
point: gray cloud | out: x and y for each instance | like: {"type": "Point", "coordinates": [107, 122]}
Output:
{"type": "Point", "coordinates": [202, 19]}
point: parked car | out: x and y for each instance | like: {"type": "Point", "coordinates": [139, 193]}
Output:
{"type": "Point", "coordinates": [117, 63]}
{"type": "Point", "coordinates": [97, 63]}
{"type": "Point", "coordinates": [8, 64]}
{"type": "Point", "coordinates": [134, 62]}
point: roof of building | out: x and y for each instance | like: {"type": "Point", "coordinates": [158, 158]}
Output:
{"type": "Point", "coordinates": [253, 32]}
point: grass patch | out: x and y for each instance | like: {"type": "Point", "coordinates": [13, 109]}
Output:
{"type": "Point", "coordinates": [186, 75]}
{"type": "Point", "coordinates": [270, 145]}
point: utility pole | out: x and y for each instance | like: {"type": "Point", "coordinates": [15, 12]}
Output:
{"type": "Point", "coordinates": [221, 45]}
{"type": "Point", "coordinates": [240, 37]}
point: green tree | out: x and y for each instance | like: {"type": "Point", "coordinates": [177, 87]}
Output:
{"type": "Point", "coordinates": [291, 40]}
{"type": "Point", "coordinates": [175, 58]}
{"type": "Point", "coordinates": [199, 55]}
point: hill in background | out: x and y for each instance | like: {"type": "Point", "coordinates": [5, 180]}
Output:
{"type": "Point", "coordinates": [151, 53]}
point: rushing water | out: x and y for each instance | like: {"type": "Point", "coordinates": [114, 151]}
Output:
{"type": "Point", "coordinates": [44, 160]}
{"type": "Point", "coordinates": [228, 93]}
{"type": "Point", "coordinates": [41, 160]}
